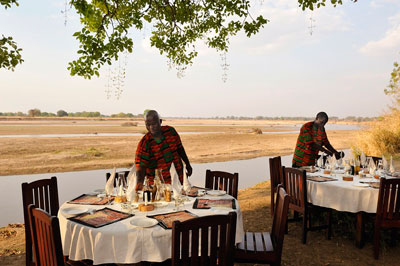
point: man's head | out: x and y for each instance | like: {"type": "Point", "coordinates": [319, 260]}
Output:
{"type": "Point", "coordinates": [153, 122]}
{"type": "Point", "coordinates": [321, 119]}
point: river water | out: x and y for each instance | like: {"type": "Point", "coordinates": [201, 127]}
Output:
{"type": "Point", "coordinates": [73, 184]}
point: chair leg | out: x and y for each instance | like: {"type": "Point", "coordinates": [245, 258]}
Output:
{"type": "Point", "coordinates": [377, 234]}
{"type": "Point", "coordinates": [304, 233]}
{"type": "Point", "coordinates": [272, 202]}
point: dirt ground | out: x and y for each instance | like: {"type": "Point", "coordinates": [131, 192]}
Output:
{"type": "Point", "coordinates": [28, 155]}
{"type": "Point", "coordinates": [255, 205]}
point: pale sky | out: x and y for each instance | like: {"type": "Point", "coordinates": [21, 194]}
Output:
{"type": "Point", "coordinates": [342, 68]}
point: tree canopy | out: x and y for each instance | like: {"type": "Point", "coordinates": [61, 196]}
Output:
{"type": "Point", "coordinates": [393, 88]}
{"type": "Point", "coordinates": [176, 26]}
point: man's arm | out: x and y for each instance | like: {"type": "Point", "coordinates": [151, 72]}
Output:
{"type": "Point", "coordinates": [321, 148]}
{"type": "Point", "coordinates": [338, 155]}
{"type": "Point", "coordinates": [140, 174]}
{"type": "Point", "coordinates": [182, 154]}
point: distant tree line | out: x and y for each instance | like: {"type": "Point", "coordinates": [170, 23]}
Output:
{"type": "Point", "coordinates": [296, 118]}
{"type": "Point", "coordinates": [61, 113]}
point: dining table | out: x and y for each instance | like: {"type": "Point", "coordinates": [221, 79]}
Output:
{"type": "Point", "coordinates": [345, 193]}
{"type": "Point", "coordinates": [126, 240]}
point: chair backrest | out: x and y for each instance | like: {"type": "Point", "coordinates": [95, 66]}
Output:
{"type": "Point", "coordinates": [219, 180]}
{"type": "Point", "coordinates": [126, 173]}
{"type": "Point", "coordinates": [294, 181]}
{"type": "Point", "coordinates": [44, 195]}
{"type": "Point", "coordinates": [279, 220]}
{"type": "Point", "coordinates": [211, 236]}
{"type": "Point", "coordinates": [45, 233]}
{"type": "Point", "coordinates": [388, 209]}
{"type": "Point", "coordinates": [275, 170]}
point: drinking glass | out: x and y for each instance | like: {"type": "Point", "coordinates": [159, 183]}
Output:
{"type": "Point", "coordinates": [178, 202]}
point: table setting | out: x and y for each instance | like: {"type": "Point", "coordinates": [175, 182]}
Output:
{"type": "Point", "coordinates": [94, 226]}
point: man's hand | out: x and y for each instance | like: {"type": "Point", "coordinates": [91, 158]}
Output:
{"type": "Point", "coordinates": [139, 186]}
{"type": "Point", "coordinates": [189, 170]}
{"type": "Point", "coordinates": [339, 155]}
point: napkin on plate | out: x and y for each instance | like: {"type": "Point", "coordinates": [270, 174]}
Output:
{"type": "Point", "coordinates": [110, 183]}
{"type": "Point", "coordinates": [186, 184]}
{"type": "Point", "coordinates": [132, 182]}
{"type": "Point", "coordinates": [175, 183]}
{"type": "Point", "coordinates": [363, 159]}
{"type": "Point", "coordinates": [391, 169]}
{"type": "Point", "coordinates": [372, 167]}
{"type": "Point", "coordinates": [385, 164]}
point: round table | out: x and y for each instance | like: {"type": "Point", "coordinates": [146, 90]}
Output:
{"type": "Point", "coordinates": [345, 196]}
{"type": "Point", "coordinates": [120, 242]}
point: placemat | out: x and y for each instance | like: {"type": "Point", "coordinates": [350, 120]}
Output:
{"type": "Point", "coordinates": [372, 184]}
{"type": "Point", "coordinates": [165, 220]}
{"type": "Point", "coordinates": [320, 178]}
{"type": "Point", "coordinates": [100, 217]}
{"type": "Point", "coordinates": [90, 200]}
{"type": "Point", "coordinates": [208, 203]}
{"type": "Point", "coordinates": [194, 191]}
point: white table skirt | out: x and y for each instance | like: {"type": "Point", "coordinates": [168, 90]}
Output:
{"type": "Point", "coordinates": [121, 242]}
{"type": "Point", "coordinates": [342, 195]}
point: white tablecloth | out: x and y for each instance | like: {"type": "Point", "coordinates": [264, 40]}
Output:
{"type": "Point", "coordinates": [121, 242]}
{"type": "Point", "coordinates": [342, 195]}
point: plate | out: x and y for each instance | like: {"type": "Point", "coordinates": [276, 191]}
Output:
{"type": "Point", "coordinates": [360, 185]}
{"type": "Point", "coordinates": [72, 211]}
{"type": "Point", "coordinates": [143, 222]}
{"type": "Point", "coordinates": [160, 204]}
{"type": "Point", "coordinates": [216, 192]}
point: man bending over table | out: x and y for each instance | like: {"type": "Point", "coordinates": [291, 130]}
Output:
{"type": "Point", "coordinates": [158, 149]}
{"type": "Point", "coordinates": [311, 140]}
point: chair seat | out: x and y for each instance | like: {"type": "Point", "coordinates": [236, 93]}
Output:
{"type": "Point", "coordinates": [256, 247]}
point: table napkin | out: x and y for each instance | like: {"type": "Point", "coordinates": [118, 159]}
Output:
{"type": "Point", "coordinates": [372, 166]}
{"type": "Point", "coordinates": [132, 182]}
{"type": "Point", "coordinates": [385, 163]}
{"type": "Point", "coordinates": [363, 159]}
{"type": "Point", "coordinates": [110, 183]}
{"type": "Point", "coordinates": [186, 184]}
{"type": "Point", "coordinates": [176, 184]}
{"type": "Point", "coordinates": [320, 161]}
{"type": "Point", "coordinates": [392, 170]}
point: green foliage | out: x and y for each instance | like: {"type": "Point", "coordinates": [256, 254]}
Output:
{"type": "Point", "coordinates": [393, 88]}
{"type": "Point", "coordinates": [85, 114]}
{"type": "Point", "coordinates": [34, 112]}
{"type": "Point", "coordinates": [10, 55]}
{"type": "Point", "coordinates": [123, 115]}
{"type": "Point", "coordinates": [176, 26]}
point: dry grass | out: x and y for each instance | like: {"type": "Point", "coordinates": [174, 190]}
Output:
{"type": "Point", "coordinates": [383, 137]}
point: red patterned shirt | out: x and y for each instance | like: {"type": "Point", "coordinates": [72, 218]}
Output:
{"type": "Point", "coordinates": [304, 153]}
{"type": "Point", "coordinates": [160, 154]}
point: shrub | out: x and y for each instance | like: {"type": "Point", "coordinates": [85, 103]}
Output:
{"type": "Point", "coordinates": [383, 137]}
{"type": "Point", "coordinates": [129, 124]}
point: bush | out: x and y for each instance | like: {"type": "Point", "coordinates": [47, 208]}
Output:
{"type": "Point", "coordinates": [383, 137]}
{"type": "Point", "coordinates": [257, 131]}
{"type": "Point", "coordinates": [129, 124]}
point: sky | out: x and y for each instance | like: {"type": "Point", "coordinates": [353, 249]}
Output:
{"type": "Point", "coordinates": [342, 68]}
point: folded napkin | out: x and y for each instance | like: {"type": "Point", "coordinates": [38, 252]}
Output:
{"type": "Point", "coordinates": [132, 182]}
{"type": "Point", "coordinates": [186, 184]}
{"type": "Point", "coordinates": [391, 169]}
{"type": "Point", "coordinates": [175, 183]}
{"type": "Point", "coordinates": [385, 164]}
{"type": "Point", "coordinates": [110, 183]}
{"type": "Point", "coordinates": [363, 159]}
{"type": "Point", "coordinates": [372, 166]}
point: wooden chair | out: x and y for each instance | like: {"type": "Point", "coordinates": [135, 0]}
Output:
{"type": "Point", "coordinates": [275, 173]}
{"type": "Point", "coordinates": [223, 181]}
{"type": "Point", "coordinates": [295, 185]}
{"type": "Point", "coordinates": [211, 236]}
{"type": "Point", "coordinates": [126, 173]}
{"type": "Point", "coordinates": [266, 247]}
{"type": "Point", "coordinates": [43, 194]}
{"type": "Point", "coordinates": [45, 233]}
{"type": "Point", "coordinates": [388, 209]}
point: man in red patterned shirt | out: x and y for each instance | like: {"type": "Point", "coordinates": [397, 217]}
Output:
{"type": "Point", "coordinates": [159, 149]}
{"type": "Point", "coordinates": [311, 140]}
